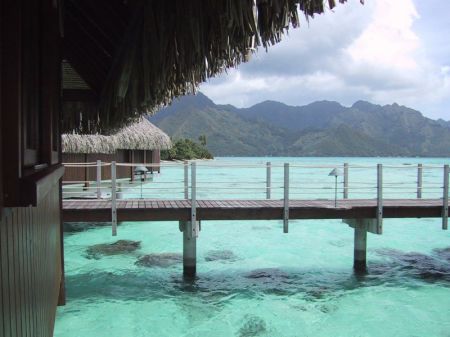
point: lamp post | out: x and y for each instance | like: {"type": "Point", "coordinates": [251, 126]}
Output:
{"type": "Point", "coordinates": [141, 171]}
{"type": "Point", "coordinates": [335, 173]}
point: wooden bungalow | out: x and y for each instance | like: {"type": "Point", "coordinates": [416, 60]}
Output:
{"type": "Point", "coordinates": [129, 58]}
{"type": "Point", "coordinates": [140, 142]}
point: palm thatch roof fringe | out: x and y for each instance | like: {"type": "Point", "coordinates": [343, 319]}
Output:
{"type": "Point", "coordinates": [172, 46]}
{"type": "Point", "coordinates": [73, 143]}
{"type": "Point", "coordinates": [142, 135]}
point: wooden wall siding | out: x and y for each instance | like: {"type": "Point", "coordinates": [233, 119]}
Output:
{"type": "Point", "coordinates": [156, 159]}
{"type": "Point", "coordinates": [121, 156]}
{"type": "Point", "coordinates": [79, 173]}
{"type": "Point", "coordinates": [30, 268]}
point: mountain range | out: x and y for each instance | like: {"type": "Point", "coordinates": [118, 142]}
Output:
{"type": "Point", "coordinates": [322, 128]}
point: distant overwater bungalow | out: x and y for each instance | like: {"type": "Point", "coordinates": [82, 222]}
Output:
{"type": "Point", "coordinates": [140, 142]}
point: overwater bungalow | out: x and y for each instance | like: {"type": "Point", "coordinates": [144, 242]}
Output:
{"type": "Point", "coordinates": [132, 57]}
{"type": "Point", "coordinates": [140, 142]}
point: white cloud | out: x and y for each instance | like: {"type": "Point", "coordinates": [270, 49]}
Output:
{"type": "Point", "coordinates": [389, 41]}
{"type": "Point", "coordinates": [369, 52]}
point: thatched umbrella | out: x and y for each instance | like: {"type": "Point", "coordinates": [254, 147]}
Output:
{"type": "Point", "coordinates": [86, 144]}
{"type": "Point", "coordinates": [142, 135]}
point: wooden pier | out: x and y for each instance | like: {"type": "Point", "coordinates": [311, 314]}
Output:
{"type": "Point", "coordinates": [363, 215]}
{"type": "Point", "coordinates": [180, 210]}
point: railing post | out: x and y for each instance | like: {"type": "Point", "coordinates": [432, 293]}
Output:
{"type": "Point", "coordinates": [345, 180]}
{"type": "Point", "coordinates": [113, 199]}
{"type": "Point", "coordinates": [379, 199]}
{"type": "Point", "coordinates": [286, 199]}
{"type": "Point", "coordinates": [99, 179]}
{"type": "Point", "coordinates": [419, 180]}
{"type": "Point", "coordinates": [268, 179]}
{"type": "Point", "coordinates": [186, 180]}
{"type": "Point", "coordinates": [445, 200]}
{"type": "Point", "coordinates": [195, 225]}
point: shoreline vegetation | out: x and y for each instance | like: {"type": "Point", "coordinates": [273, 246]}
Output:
{"type": "Point", "coordinates": [186, 149]}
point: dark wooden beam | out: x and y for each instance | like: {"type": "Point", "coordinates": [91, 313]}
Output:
{"type": "Point", "coordinates": [79, 95]}
{"type": "Point", "coordinates": [85, 68]}
{"type": "Point", "coordinates": [111, 15]}
{"type": "Point", "coordinates": [1, 115]}
{"type": "Point", "coordinates": [11, 76]}
{"type": "Point", "coordinates": [34, 188]}
{"type": "Point", "coordinates": [98, 31]}
{"type": "Point", "coordinates": [50, 84]}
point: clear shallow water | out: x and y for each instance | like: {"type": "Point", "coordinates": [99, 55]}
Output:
{"type": "Point", "coordinates": [296, 284]}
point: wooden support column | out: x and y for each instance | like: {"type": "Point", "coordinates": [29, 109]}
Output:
{"type": "Point", "coordinates": [361, 227]}
{"type": "Point", "coordinates": [189, 249]}
{"type": "Point", "coordinates": [360, 250]}
{"type": "Point", "coordinates": [268, 180]}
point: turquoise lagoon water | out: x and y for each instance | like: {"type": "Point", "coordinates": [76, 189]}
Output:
{"type": "Point", "coordinates": [274, 284]}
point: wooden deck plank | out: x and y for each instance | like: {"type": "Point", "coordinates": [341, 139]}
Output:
{"type": "Point", "coordinates": [147, 209]}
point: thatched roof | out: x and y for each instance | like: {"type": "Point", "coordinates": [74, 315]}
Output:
{"type": "Point", "coordinates": [142, 135]}
{"type": "Point", "coordinates": [138, 55]}
{"type": "Point", "coordinates": [73, 143]}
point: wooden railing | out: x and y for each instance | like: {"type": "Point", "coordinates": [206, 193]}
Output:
{"type": "Point", "coordinates": [189, 186]}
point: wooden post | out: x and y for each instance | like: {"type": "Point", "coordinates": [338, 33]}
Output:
{"type": "Point", "coordinates": [186, 180]}
{"type": "Point", "coordinates": [113, 199]}
{"type": "Point", "coordinates": [189, 250]}
{"type": "Point", "coordinates": [360, 249]}
{"type": "Point", "coordinates": [345, 180]}
{"type": "Point", "coordinates": [99, 178]}
{"type": "Point", "coordinates": [132, 167]}
{"type": "Point", "coordinates": [286, 199]}
{"type": "Point", "coordinates": [419, 180]}
{"type": "Point", "coordinates": [268, 179]}
{"type": "Point", "coordinates": [445, 200]}
{"type": "Point", "coordinates": [195, 227]}
{"type": "Point", "coordinates": [86, 173]}
{"type": "Point", "coordinates": [379, 199]}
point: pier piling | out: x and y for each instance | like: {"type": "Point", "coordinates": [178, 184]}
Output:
{"type": "Point", "coordinates": [361, 227]}
{"type": "Point", "coordinates": [360, 250]}
{"type": "Point", "coordinates": [189, 249]}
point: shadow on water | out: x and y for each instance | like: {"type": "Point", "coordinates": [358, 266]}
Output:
{"type": "Point", "coordinates": [397, 268]}
{"type": "Point", "coordinates": [71, 228]}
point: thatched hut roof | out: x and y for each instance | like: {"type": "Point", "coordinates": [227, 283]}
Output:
{"type": "Point", "coordinates": [138, 55]}
{"type": "Point", "coordinates": [142, 135]}
{"type": "Point", "coordinates": [73, 143]}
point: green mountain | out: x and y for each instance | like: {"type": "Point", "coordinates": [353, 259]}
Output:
{"type": "Point", "coordinates": [319, 129]}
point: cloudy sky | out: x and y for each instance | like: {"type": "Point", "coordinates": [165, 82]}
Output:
{"type": "Point", "coordinates": [385, 51]}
